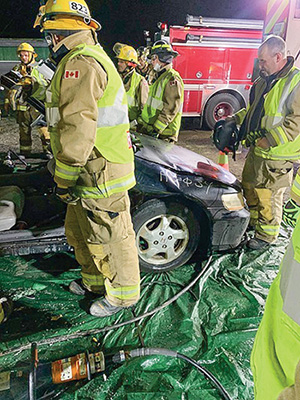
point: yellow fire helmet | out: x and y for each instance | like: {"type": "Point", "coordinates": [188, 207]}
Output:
{"type": "Point", "coordinates": [26, 47]}
{"type": "Point", "coordinates": [65, 15]}
{"type": "Point", "coordinates": [125, 52]}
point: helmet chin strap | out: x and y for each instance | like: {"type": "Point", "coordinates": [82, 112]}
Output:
{"type": "Point", "coordinates": [52, 42]}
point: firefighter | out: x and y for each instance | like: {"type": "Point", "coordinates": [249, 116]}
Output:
{"type": "Point", "coordinates": [87, 114]}
{"type": "Point", "coordinates": [144, 67]}
{"type": "Point", "coordinates": [135, 84]}
{"type": "Point", "coordinates": [161, 116]}
{"type": "Point", "coordinates": [270, 126]}
{"type": "Point", "coordinates": [276, 350]}
{"type": "Point", "coordinates": [25, 113]}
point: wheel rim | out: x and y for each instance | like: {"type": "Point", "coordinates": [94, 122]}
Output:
{"type": "Point", "coordinates": [223, 110]}
{"type": "Point", "coordinates": [162, 239]}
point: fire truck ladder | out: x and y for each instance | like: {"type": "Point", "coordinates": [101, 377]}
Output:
{"type": "Point", "coordinates": [224, 23]}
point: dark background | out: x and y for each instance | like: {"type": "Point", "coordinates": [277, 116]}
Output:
{"type": "Point", "coordinates": [125, 20]}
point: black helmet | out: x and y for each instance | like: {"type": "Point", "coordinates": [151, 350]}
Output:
{"type": "Point", "coordinates": [163, 51]}
{"type": "Point", "coordinates": [226, 136]}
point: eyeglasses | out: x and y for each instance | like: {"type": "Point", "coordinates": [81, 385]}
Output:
{"type": "Point", "coordinates": [154, 57]}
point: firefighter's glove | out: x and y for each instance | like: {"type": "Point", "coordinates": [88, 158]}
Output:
{"type": "Point", "coordinates": [136, 142]}
{"type": "Point", "coordinates": [145, 128]}
{"type": "Point", "coordinates": [252, 137]}
{"type": "Point", "coordinates": [20, 92]}
{"type": "Point", "coordinates": [14, 96]}
{"type": "Point", "coordinates": [66, 195]}
{"type": "Point", "coordinates": [26, 83]}
{"type": "Point", "coordinates": [291, 213]}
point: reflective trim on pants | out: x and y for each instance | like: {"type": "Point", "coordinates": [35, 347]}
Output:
{"type": "Point", "coordinates": [105, 247]}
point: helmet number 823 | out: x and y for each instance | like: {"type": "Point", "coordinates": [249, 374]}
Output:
{"type": "Point", "coordinates": [78, 7]}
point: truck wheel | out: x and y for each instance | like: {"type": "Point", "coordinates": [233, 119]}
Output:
{"type": "Point", "coordinates": [219, 107]}
{"type": "Point", "coordinates": [167, 235]}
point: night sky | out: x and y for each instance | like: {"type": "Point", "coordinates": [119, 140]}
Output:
{"type": "Point", "coordinates": [125, 20]}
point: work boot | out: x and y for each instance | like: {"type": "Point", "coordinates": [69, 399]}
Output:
{"type": "Point", "coordinates": [102, 308]}
{"type": "Point", "coordinates": [257, 244]}
{"type": "Point", "coordinates": [77, 287]}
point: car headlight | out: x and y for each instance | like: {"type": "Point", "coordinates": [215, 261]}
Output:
{"type": "Point", "coordinates": [233, 201]}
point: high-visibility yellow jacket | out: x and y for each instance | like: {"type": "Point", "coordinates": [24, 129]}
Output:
{"type": "Point", "coordinates": [137, 90]}
{"type": "Point", "coordinates": [163, 109]}
{"type": "Point", "coordinates": [87, 115]}
{"type": "Point", "coordinates": [280, 115]}
{"type": "Point", "coordinates": [276, 350]}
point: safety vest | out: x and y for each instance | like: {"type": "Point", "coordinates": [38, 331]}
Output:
{"type": "Point", "coordinates": [276, 105]}
{"type": "Point", "coordinates": [154, 103]}
{"type": "Point", "coordinates": [40, 92]}
{"type": "Point", "coordinates": [112, 136]}
{"type": "Point", "coordinates": [132, 98]}
{"type": "Point", "coordinates": [276, 350]}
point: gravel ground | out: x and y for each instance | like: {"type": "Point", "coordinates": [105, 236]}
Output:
{"type": "Point", "coordinates": [196, 140]}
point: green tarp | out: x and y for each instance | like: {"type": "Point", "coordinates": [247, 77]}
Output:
{"type": "Point", "coordinates": [214, 323]}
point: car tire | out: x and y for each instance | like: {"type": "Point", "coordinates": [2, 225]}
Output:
{"type": "Point", "coordinates": [219, 107]}
{"type": "Point", "coordinates": [167, 235]}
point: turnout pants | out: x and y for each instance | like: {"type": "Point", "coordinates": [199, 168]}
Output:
{"type": "Point", "coordinates": [264, 183]}
{"type": "Point", "coordinates": [101, 232]}
{"type": "Point", "coordinates": [24, 120]}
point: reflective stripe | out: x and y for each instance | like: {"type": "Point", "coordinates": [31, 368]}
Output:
{"type": "Point", "coordinates": [160, 125]}
{"type": "Point", "coordinates": [52, 116]}
{"type": "Point", "coordinates": [269, 121]}
{"type": "Point", "coordinates": [66, 171]}
{"type": "Point", "coordinates": [130, 100]}
{"type": "Point", "coordinates": [159, 90]}
{"type": "Point", "coordinates": [92, 280]}
{"type": "Point", "coordinates": [279, 135]}
{"type": "Point", "coordinates": [275, 114]}
{"type": "Point", "coordinates": [296, 185]}
{"type": "Point", "coordinates": [286, 91]}
{"type": "Point", "coordinates": [22, 108]}
{"type": "Point", "coordinates": [155, 103]}
{"type": "Point", "coordinates": [116, 114]}
{"type": "Point", "coordinates": [271, 230]}
{"type": "Point", "coordinates": [107, 189]}
{"type": "Point", "coordinates": [269, 156]}
{"type": "Point", "coordinates": [123, 292]}
{"type": "Point", "coordinates": [289, 284]}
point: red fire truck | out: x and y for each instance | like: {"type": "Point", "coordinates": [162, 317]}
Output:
{"type": "Point", "coordinates": [216, 58]}
{"type": "Point", "coordinates": [283, 19]}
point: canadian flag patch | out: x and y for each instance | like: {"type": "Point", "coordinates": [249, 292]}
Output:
{"type": "Point", "coordinates": [71, 74]}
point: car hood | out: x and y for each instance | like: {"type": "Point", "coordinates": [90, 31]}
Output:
{"type": "Point", "coordinates": [182, 160]}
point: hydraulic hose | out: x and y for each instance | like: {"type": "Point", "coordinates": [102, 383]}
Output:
{"type": "Point", "coordinates": [150, 351]}
{"type": "Point", "coordinates": [92, 332]}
